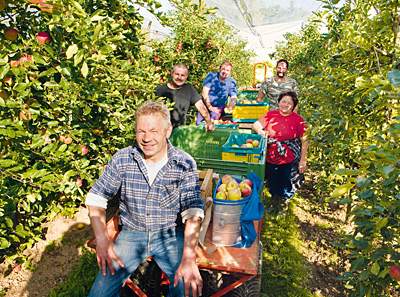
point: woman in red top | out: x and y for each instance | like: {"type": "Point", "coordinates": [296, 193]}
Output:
{"type": "Point", "coordinates": [287, 148]}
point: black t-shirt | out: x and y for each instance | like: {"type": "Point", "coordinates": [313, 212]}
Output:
{"type": "Point", "coordinates": [183, 98]}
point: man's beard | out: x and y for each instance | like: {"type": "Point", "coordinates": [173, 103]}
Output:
{"type": "Point", "coordinates": [281, 74]}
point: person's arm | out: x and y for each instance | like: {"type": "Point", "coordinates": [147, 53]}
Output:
{"type": "Point", "coordinates": [257, 127]}
{"type": "Point", "coordinates": [188, 269]}
{"type": "Point", "coordinates": [205, 114]}
{"type": "Point", "coordinates": [232, 103]}
{"type": "Point", "coordinates": [207, 101]}
{"type": "Point", "coordinates": [104, 245]}
{"type": "Point", "coordinates": [260, 96]}
{"type": "Point", "coordinates": [303, 157]}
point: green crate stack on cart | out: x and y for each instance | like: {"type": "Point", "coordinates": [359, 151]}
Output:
{"type": "Point", "coordinates": [206, 149]}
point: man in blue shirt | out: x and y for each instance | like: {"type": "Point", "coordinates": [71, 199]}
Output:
{"type": "Point", "coordinates": [160, 206]}
{"type": "Point", "coordinates": [217, 88]}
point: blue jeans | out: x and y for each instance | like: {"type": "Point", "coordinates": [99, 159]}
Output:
{"type": "Point", "coordinates": [279, 179]}
{"type": "Point", "coordinates": [132, 247]}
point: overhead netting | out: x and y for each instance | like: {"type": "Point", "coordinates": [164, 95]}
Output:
{"type": "Point", "coordinates": [262, 22]}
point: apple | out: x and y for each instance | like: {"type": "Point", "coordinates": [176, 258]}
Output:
{"type": "Point", "coordinates": [235, 145]}
{"type": "Point", "coordinates": [157, 59]}
{"type": "Point", "coordinates": [243, 145]}
{"type": "Point", "coordinates": [42, 4]}
{"type": "Point", "coordinates": [248, 145]}
{"type": "Point", "coordinates": [179, 44]}
{"type": "Point", "coordinates": [43, 130]}
{"type": "Point", "coordinates": [62, 138]}
{"type": "Point", "coordinates": [246, 190]}
{"type": "Point", "coordinates": [234, 194]}
{"type": "Point", "coordinates": [14, 63]}
{"type": "Point", "coordinates": [246, 182]}
{"type": "Point", "coordinates": [78, 182]}
{"type": "Point", "coordinates": [25, 115]}
{"type": "Point", "coordinates": [162, 80]}
{"type": "Point", "coordinates": [256, 143]}
{"type": "Point", "coordinates": [3, 95]}
{"type": "Point", "coordinates": [68, 140]}
{"type": "Point", "coordinates": [43, 38]}
{"type": "Point", "coordinates": [7, 80]}
{"type": "Point", "coordinates": [16, 268]}
{"type": "Point", "coordinates": [80, 226]}
{"type": "Point", "coordinates": [249, 140]}
{"type": "Point", "coordinates": [177, 50]}
{"type": "Point", "coordinates": [221, 188]}
{"type": "Point", "coordinates": [232, 184]}
{"type": "Point", "coordinates": [26, 58]}
{"type": "Point", "coordinates": [84, 150]}
{"type": "Point", "coordinates": [2, 4]}
{"type": "Point", "coordinates": [226, 178]}
{"type": "Point", "coordinates": [11, 34]}
{"type": "Point", "coordinates": [221, 195]}
{"type": "Point", "coordinates": [394, 272]}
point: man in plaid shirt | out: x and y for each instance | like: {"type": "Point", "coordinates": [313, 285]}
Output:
{"type": "Point", "coordinates": [161, 209]}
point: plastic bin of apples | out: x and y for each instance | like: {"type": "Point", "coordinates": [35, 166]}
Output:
{"type": "Point", "coordinates": [233, 189]}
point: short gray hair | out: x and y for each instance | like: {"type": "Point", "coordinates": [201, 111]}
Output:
{"type": "Point", "coordinates": [152, 107]}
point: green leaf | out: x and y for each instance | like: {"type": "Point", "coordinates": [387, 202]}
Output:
{"type": "Point", "coordinates": [72, 50]}
{"type": "Point", "coordinates": [358, 264]}
{"type": "Point", "coordinates": [87, 110]}
{"type": "Point", "coordinates": [381, 223]}
{"type": "Point", "coordinates": [10, 133]}
{"type": "Point", "coordinates": [7, 163]}
{"type": "Point", "coordinates": [4, 243]}
{"type": "Point", "coordinates": [51, 84]}
{"type": "Point", "coordinates": [341, 190]}
{"type": "Point", "coordinates": [9, 222]}
{"type": "Point", "coordinates": [84, 69]}
{"type": "Point", "coordinates": [4, 70]}
{"type": "Point", "coordinates": [375, 268]}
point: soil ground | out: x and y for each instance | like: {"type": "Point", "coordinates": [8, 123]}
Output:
{"type": "Point", "coordinates": [317, 229]}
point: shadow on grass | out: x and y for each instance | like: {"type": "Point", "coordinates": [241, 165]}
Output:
{"type": "Point", "coordinates": [283, 272]}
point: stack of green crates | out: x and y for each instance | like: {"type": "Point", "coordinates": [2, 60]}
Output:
{"type": "Point", "coordinates": [206, 149]}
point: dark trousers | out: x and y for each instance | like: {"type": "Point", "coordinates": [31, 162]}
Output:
{"type": "Point", "coordinates": [279, 179]}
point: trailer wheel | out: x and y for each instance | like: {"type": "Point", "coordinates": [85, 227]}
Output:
{"type": "Point", "coordinates": [147, 277]}
{"type": "Point", "coordinates": [212, 282]}
{"type": "Point", "coordinates": [250, 288]}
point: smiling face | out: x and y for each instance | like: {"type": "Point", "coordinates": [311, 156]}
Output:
{"type": "Point", "coordinates": [179, 76]}
{"type": "Point", "coordinates": [281, 69]}
{"type": "Point", "coordinates": [286, 105]}
{"type": "Point", "coordinates": [224, 71]}
{"type": "Point", "coordinates": [152, 131]}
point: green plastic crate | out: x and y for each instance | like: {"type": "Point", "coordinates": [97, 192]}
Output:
{"type": "Point", "coordinates": [206, 149]}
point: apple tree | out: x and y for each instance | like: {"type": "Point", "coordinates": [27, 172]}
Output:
{"type": "Point", "coordinates": [349, 82]}
{"type": "Point", "coordinates": [72, 74]}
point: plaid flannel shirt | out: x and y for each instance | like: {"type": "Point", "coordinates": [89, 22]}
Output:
{"type": "Point", "coordinates": [146, 207]}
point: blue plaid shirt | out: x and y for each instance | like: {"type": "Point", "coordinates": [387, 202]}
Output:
{"type": "Point", "coordinates": [145, 207]}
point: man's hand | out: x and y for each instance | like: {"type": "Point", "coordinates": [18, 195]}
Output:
{"type": "Point", "coordinates": [105, 254]}
{"type": "Point", "coordinates": [213, 109]}
{"type": "Point", "coordinates": [210, 127]}
{"type": "Point", "coordinates": [189, 271]}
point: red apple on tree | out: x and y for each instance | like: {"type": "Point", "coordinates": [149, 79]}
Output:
{"type": "Point", "coordinates": [43, 38]}
{"type": "Point", "coordinates": [78, 182]}
{"type": "Point", "coordinates": [394, 272]}
{"type": "Point", "coordinates": [42, 4]}
{"type": "Point", "coordinates": [11, 34]}
{"type": "Point", "coordinates": [3, 95]}
{"type": "Point", "coordinates": [179, 44]}
{"type": "Point", "coordinates": [68, 140]}
{"type": "Point", "coordinates": [25, 115]}
{"type": "Point", "coordinates": [177, 50]}
{"type": "Point", "coordinates": [84, 150]}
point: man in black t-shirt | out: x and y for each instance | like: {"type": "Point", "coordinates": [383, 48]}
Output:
{"type": "Point", "coordinates": [184, 95]}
